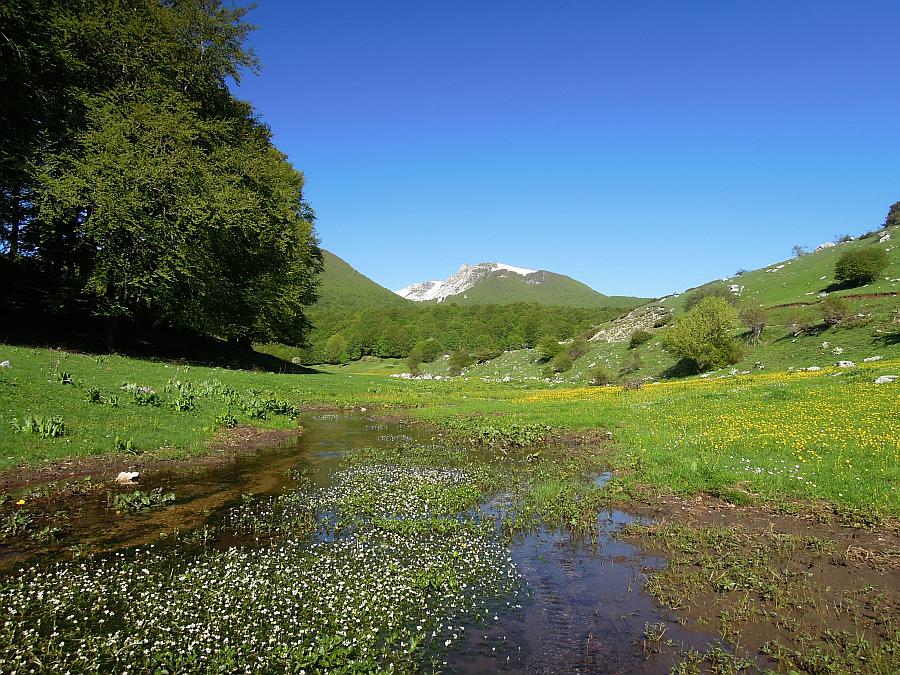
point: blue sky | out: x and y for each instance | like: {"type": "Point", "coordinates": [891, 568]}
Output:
{"type": "Point", "coordinates": [639, 146]}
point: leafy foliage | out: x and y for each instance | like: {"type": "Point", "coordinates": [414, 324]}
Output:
{"type": "Point", "coordinates": [138, 181]}
{"type": "Point", "coordinates": [713, 290]}
{"type": "Point", "coordinates": [139, 500]}
{"type": "Point", "coordinates": [45, 427]}
{"type": "Point", "coordinates": [703, 335]}
{"type": "Point", "coordinates": [835, 310]}
{"type": "Point", "coordinates": [860, 266]}
{"type": "Point", "coordinates": [638, 338]}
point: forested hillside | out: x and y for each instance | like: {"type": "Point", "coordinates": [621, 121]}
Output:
{"type": "Point", "coordinates": [483, 331]}
{"type": "Point", "coordinates": [342, 288]}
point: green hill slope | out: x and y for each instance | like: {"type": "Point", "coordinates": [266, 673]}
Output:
{"type": "Point", "coordinates": [791, 293]}
{"type": "Point", "coordinates": [552, 289]}
{"type": "Point", "coordinates": [341, 287]}
{"type": "Point", "coordinates": [801, 280]}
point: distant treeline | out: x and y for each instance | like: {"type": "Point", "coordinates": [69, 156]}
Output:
{"type": "Point", "coordinates": [483, 330]}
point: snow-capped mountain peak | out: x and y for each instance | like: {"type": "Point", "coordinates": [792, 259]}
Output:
{"type": "Point", "coordinates": [464, 279]}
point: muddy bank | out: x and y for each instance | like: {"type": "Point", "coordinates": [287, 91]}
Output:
{"type": "Point", "coordinates": [811, 596]}
{"type": "Point", "coordinates": [224, 448]}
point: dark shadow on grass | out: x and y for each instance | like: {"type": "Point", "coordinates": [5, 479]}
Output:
{"type": "Point", "coordinates": [682, 368]}
{"type": "Point", "coordinates": [889, 340]}
{"type": "Point", "coordinates": [33, 316]}
{"type": "Point", "coordinates": [842, 286]}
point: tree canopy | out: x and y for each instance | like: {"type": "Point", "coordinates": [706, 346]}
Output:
{"type": "Point", "coordinates": [704, 335]}
{"type": "Point", "coordinates": [131, 175]}
{"type": "Point", "coordinates": [860, 266]}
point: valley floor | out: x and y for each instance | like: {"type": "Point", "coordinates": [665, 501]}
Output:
{"type": "Point", "coordinates": [773, 495]}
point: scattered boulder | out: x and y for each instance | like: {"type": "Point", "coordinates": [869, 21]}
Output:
{"type": "Point", "coordinates": [845, 364]}
{"type": "Point", "coordinates": [812, 368]}
{"type": "Point", "coordinates": [886, 379]}
{"type": "Point", "coordinates": [127, 477]}
{"type": "Point", "coordinates": [827, 244]}
{"type": "Point", "coordinates": [5, 364]}
{"type": "Point", "coordinates": [884, 237]}
{"type": "Point", "coordinates": [870, 359]}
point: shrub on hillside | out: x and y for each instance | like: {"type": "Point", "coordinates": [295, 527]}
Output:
{"type": "Point", "coordinates": [459, 360]}
{"type": "Point", "coordinates": [638, 338]}
{"type": "Point", "coordinates": [893, 216]}
{"type": "Point", "coordinates": [428, 350]}
{"type": "Point", "coordinates": [860, 266]}
{"type": "Point", "coordinates": [548, 348]}
{"type": "Point", "coordinates": [632, 383]}
{"type": "Point", "coordinates": [835, 310]}
{"type": "Point", "coordinates": [562, 362]}
{"type": "Point", "coordinates": [703, 336]}
{"type": "Point", "coordinates": [578, 348]}
{"type": "Point", "coordinates": [754, 318]}
{"type": "Point", "coordinates": [600, 376]}
{"type": "Point", "coordinates": [486, 354]}
{"type": "Point", "coordinates": [631, 363]}
{"type": "Point", "coordinates": [716, 290]}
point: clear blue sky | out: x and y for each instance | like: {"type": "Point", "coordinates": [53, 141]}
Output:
{"type": "Point", "coordinates": [639, 146]}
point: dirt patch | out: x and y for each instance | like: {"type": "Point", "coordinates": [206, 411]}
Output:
{"type": "Point", "coordinates": [782, 590]}
{"type": "Point", "coordinates": [226, 446]}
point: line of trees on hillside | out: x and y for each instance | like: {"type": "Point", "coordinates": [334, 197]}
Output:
{"type": "Point", "coordinates": [133, 180]}
{"type": "Point", "coordinates": [478, 330]}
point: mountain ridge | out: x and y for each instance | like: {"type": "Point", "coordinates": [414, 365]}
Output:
{"type": "Point", "coordinates": [502, 283]}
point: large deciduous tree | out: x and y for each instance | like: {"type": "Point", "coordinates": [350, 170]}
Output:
{"type": "Point", "coordinates": [138, 179]}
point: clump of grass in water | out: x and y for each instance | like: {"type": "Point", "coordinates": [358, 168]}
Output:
{"type": "Point", "coordinates": [139, 500]}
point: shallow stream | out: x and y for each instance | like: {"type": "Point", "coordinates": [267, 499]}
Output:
{"type": "Point", "coordinates": [559, 603]}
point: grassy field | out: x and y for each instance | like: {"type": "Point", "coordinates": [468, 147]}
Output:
{"type": "Point", "coordinates": [828, 435]}
{"type": "Point", "coordinates": [802, 279]}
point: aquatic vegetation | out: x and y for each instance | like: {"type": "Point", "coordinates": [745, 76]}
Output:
{"type": "Point", "coordinates": [394, 586]}
{"type": "Point", "coordinates": [139, 500]}
{"type": "Point", "coordinates": [759, 580]}
{"type": "Point", "coordinates": [503, 432]}
{"type": "Point", "coordinates": [16, 523]}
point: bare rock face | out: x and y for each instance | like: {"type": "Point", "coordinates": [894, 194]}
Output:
{"type": "Point", "coordinates": [127, 477]}
{"type": "Point", "coordinates": [620, 330]}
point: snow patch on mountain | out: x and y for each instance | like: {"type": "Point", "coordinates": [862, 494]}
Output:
{"type": "Point", "coordinates": [463, 280]}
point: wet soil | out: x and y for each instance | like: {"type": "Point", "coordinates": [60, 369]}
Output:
{"type": "Point", "coordinates": [225, 448]}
